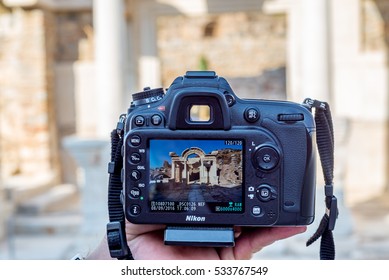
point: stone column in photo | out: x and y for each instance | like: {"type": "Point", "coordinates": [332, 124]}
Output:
{"type": "Point", "coordinates": [99, 103]}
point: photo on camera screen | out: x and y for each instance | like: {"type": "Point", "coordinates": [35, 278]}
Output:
{"type": "Point", "coordinates": [199, 176]}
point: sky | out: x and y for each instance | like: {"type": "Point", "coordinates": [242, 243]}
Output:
{"type": "Point", "coordinates": [160, 149]}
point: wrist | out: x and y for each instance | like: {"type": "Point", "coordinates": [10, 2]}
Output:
{"type": "Point", "coordinates": [101, 252]}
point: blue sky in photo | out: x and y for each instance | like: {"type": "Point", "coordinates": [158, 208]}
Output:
{"type": "Point", "coordinates": [160, 148]}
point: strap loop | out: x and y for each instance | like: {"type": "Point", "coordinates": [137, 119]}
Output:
{"type": "Point", "coordinates": [329, 190]}
{"type": "Point", "coordinates": [333, 213]}
{"type": "Point", "coordinates": [117, 242]}
{"type": "Point", "coordinates": [111, 167]}
{"type": "Point", "coordinates": [325, 145]}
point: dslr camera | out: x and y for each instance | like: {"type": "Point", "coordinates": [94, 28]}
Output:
{"type": "Point", "coordinates": [199, 157]}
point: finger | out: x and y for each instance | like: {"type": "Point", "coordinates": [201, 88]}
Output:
{"type": "Point", "coordinates": [237, 231]}
{"type": "Point", "coordinates": [133, 230]}
{"type": "Point", "coordinates": [150, 246]}
{"type": "Point", "coordinates": [253, 240]}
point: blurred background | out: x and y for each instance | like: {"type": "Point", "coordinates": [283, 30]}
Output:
{"type": "Point", "coordinates": [68, 68]}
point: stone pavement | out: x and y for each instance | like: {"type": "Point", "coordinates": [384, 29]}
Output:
{"type": "Point", "coordinates": [57, 236]}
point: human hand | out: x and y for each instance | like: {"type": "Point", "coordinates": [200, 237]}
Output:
{"type": "Point", "coordinates": [146, 242]}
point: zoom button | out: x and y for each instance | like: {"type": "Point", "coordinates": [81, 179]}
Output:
{"type": "Point", "coordinates": [135, 193]}
{"type": "Point", "coordinates": [135, 175]}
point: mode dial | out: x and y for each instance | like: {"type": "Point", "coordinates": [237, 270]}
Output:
{"type": "Point", "coordinates": [147, 96]}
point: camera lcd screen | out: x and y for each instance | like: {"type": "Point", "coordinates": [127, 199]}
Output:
{"type": "Point", "coordinates": [198, 176]}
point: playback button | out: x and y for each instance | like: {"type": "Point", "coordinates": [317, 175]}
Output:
{"type": "Point", "coordinates": [139, 121]}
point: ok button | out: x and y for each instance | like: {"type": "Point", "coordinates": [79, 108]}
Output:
{"type": "Point", "coordinates": [266, 158]}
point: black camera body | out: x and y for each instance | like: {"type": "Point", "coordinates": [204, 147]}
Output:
{"type": "Point", "coordinates": [200, 156]}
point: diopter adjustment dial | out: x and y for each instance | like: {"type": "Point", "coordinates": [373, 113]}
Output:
{"type": "Point", "coordinates": [147, 96]}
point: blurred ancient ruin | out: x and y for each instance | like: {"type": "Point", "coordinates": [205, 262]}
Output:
{"type": "Point", "coordinates": [68, 68]}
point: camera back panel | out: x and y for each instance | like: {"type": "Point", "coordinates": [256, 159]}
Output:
{"type": "Point", "coordinates": [245, 162]}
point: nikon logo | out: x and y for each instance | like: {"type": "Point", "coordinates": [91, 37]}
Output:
{"type": "Point", "coordinates": [193, 218]}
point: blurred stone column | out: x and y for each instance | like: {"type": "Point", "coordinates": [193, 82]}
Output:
{"type": "Point", "coordinates": [99, 93]}
{"type": "Point", "coordinates": [3, 213]}
{"type": "Point", "coordinates": [309, 50]}
{"type": "Point", "coordinates": [149, 64]}
{"type": "Point", "coordinates": [315, 63]}
{"type": "Point", "coordinates": [110, 59]}
{"type": "Point", "coordinates": [91, 156]}
{"type": "Point", "coordinates": [316, 75]}
{"type": "Point", "coordinates": [310, 75]}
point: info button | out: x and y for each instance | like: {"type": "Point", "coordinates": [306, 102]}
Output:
{"type": "Point", "coordinates": [135, 210]}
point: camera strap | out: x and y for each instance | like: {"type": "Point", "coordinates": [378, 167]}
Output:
{"type": "Point", "coordinates": [116, 234]}
{"type": "Point", "coordinates": [325, 146]}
